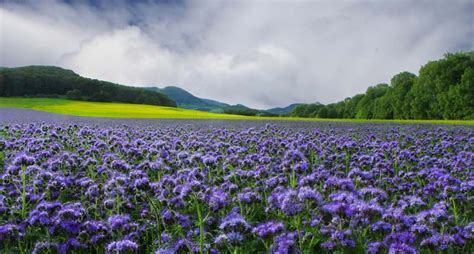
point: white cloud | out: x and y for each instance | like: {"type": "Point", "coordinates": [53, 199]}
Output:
{"type": "Point", "coordinates": [125, 56]}
{"type": "Point", "coordinates": [258, 53]}
{"type": "Point", "coordinates": [40, 34]}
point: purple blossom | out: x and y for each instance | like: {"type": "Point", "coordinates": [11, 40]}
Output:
{"type": "Point", "coordinates": [234, 222]}
{"type": "Point", "coordinates": [23, 159]}
{"type": "Point", "coordinates": [267, 229]}
{"type": "Point", "coordinates": [284, 243]}
{"type": "Point", "coordinates": [121, 246]}
{"type": "Point", "coordinates": [401, 248]}
{"type": "Point", "coordinates": [8, 231]}
{"type": "Point", "coordinates": [374, 247]}
{"type": "Point", "coordinates": [119, 222]}
{"type": "Point", "coordinates": [217, 199]}
{"type": "Point", "coordinates": [231, 238]}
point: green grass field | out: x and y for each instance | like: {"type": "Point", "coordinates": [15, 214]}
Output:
{"type": "Point", "coordinates": [122, 110]}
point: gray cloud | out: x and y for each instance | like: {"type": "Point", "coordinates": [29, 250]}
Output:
{"type": "Point", "coordinates": [259, 53]}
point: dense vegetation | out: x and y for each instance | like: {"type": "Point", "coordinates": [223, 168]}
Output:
{"type": "Point", "coordinates": [49, 81]}
{"type": "Point", "coordinates": [444, 89]}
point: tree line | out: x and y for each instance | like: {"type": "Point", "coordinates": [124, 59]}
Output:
{"type": "Point", "coordinates": [55, 82]}
{"type": "Point", "coordinates": [443, 89]}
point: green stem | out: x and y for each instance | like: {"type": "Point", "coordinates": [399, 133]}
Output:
{"type": "Point", "coordinates": [293, 179]}
{"type": "Point", "coordinates": [265, 244]}
{"type": "Point", "coordinates": [23, 193]}
{"type": "Point", "coordinates": [158, 223]}
{"type": "Point", "coordinates": [201, 227]}
{"type": "Point", "coordinates": [455, 211]}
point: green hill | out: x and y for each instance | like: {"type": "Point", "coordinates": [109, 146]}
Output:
{"type": "Point", "coordinates": [283, 111]}
{"type": "Point", "coordinates": [55, 82]}
{"type": "Point", "coordinates": [185, 99]}
{"type": "Point", "coordinates": [240, 109]}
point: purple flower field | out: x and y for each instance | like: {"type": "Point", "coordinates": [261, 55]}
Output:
{"type": "Point", "coordinates": [267, 188]}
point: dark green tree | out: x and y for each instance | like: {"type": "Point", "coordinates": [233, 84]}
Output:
{"type": "Point", "coordinates": [436, 90]}
{"type": "Point", "coordinates": [383, 107]}
{"type": "Point", "coordinates": [74, 94]}
{"type": "Point", "coordinates": [366, 107]}
{"type": "Point", "coordinates": [401, 85]}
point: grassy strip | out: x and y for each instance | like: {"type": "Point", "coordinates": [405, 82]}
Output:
{"type": "Point", "coordinates": [122, 110]}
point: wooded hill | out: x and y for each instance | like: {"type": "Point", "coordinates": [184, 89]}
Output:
{"type": "Point", "coordinates": [55, 82]}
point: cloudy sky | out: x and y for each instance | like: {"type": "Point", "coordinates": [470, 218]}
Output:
{"type": "Point", "coordinates": [259, 53]}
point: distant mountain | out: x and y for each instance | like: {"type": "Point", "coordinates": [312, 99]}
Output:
{"type": "Point", "coordinates": [240, 109]}
{"type": "Point", "coordinates": [283, 111]}
{"type": "Point", "coordinates": [185, 99]}
{"type": "Point", "coordinates": [51, 81]}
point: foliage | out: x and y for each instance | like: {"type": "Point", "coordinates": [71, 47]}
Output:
{"type": "Point", "coordinates": [54, 82]}
{"type": "Point", "coordinates": [444, 89]}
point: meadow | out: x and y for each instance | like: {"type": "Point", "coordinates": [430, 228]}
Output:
{"type": "Point", "coordinates": [241, 187]}
{"type": "Point", "coordinates": [122, 110]}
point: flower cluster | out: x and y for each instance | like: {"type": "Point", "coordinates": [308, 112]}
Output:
{"type": "Point", "coordinates": [274, 188]}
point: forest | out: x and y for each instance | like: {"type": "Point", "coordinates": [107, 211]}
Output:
{"type": "Point", "coordinates": [55, 82]}
{"type": "Point", "coordinates": [444, 89]}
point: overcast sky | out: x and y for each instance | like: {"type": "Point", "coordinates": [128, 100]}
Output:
{"type": "Point", "coordinates": [258, 53]}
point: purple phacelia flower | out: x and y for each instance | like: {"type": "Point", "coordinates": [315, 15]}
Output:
{"type": "Point", "coordinates": [374, 247]}
{"type": "Point", "coordinates": [234, 222]}
{"type": "Point", "coordinates": [9, 231]}
{"type": "Point", "coordinates": [249, 197]}
{"type": "Point", "coordinates": [285, 243]}
{"type": "Point", "coordinates": [401, 248]}
{"type": "Point", "coordinates": [119, 222]}
{"type": "Point", "coordinates": [23, 159]}
{"type": "Point", "coordinates": [217, 199]}
{"type": "Point", "coordinates": [267, 229]}
{"type": "Point", "coordinates": [231, 238]}
{"type": "Point", "coordinates": [121, 246]}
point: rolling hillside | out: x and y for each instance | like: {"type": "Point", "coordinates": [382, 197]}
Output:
{"type": "Point", "coordinates": [55, 82]}
{"type": "Point", "coordinates": [185, 99]}
{"type": "Point", "coordinates": [283, 111]}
